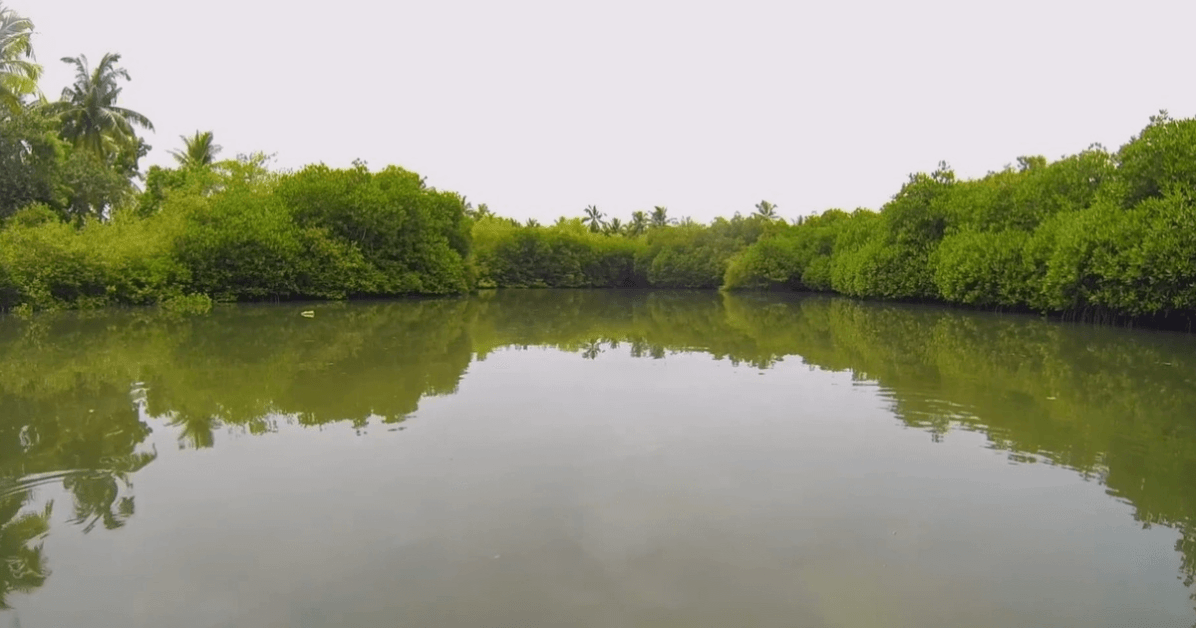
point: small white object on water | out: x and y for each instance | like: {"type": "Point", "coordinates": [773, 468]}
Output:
{"type": "Point", "coordinates": [308, 314]}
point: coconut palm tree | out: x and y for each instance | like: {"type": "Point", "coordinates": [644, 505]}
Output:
{"type": "Point", "coordinates": [660, 217]}
{"type": "Point", "coordinates": [766, 210]}
{"type": "Point", "coordinates": [638, 224]}
{"type": "Point", "coordinates": [532, 223]}
{"type": "Point", "coordinates": [198, 150]}
{"type": "Point", "coordinates": [481, 213]}
{"type": "Point", "coordinates": [594, 219]}
{"type": "Point", "coordinates": [614, 227]}
{"type": "Point", "coordinates": [90, 118]}
{"type": "Point", "coordinates": [18, 72]}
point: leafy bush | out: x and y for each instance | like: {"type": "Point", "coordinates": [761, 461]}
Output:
{"type": "Point", "coordinates": [982, 267]}
{"type": "Point", "coordinates": [565, 255]}
{"type": "Point", "coordinates": [414, 239]}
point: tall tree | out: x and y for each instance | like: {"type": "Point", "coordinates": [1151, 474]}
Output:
{"type": "Point", "coordinates": [614, 227]}
{"type": "Point", "coordinates": [660, 217]}
{"type": "Point", "coordinates": [594, 219]}
{"type": "Point", "coordinates": [90, 118]}
{"type": "Point", "coordinates": [766, 210]}
{"type": "Point", "coordinates": [638, 224]}
{"type": "Point", "coordinates": [18, 72]}
{"type": "Point", "coordinates": [198, 150]}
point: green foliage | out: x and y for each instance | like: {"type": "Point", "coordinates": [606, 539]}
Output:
{"type": "Point", "coordinates": [981, 267]}
{"type": "Point", "coordinates": [1133, 262]}
{"type": "Point", "coordinates": [235, 231]}
{"type": "Point", "coordinates": [48, 267]}
{"type": "Point", "coordinates": [18, 72]}
{"type": "Point", "coordinates": [566, 255]}
{"type": "Point", "coordinates": [243, 243]}
{"type": "Point", "coordinates": [33, 215]}
{"type": "Point", "coordinates": [31, 158]}
{"type": "Point", "coordinates": [691, 255]}
{"type": "Point", "coordinates": [792, 257]}
{"type": "Point", "coordinates": [95, 187]}
{"type": "Point", "coordinates": [414, 239]}
{"type": "Point", "coordinates": [571, 254]}
{"type": "Point", "coordinates": [37, 167]}
{"type": "Point", "coordinates": [49, 264]}
{"type": "Point", "coordinates": [1159, 161]}
{"type": "Point", "coordinates": [1089, 235]}
{"type": "Point", "coordinates": [1092, 234]}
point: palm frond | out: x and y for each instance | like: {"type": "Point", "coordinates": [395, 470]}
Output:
{"type": "Point", "coordinates": [134, 118]}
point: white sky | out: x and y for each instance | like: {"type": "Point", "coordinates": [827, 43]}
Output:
{"type": "Point", "coordinates": [540, 108]}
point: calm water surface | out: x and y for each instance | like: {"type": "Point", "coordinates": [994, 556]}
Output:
{"type": "Point", "coordinates": [595, 459]}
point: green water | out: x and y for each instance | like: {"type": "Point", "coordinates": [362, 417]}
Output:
{"type": "Point", "coordinates": [604, 459]}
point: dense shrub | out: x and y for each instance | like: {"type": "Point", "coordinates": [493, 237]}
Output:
{"type": "Point", "coordinates": [236, 231]}
{"type": "Point", "coordinates": [414, 239]}
{"type": "Point", "coordinates": [1158, 161]}
{"type": "Point", "coordinates": [1090, 234]}
{"type": "Point", "coordinates": [565, 255]}
{"type": "Point", "coordinates": [981, 267]}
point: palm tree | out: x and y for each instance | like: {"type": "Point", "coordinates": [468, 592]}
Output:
{"type": "Point", "coordinates": [660, 217]}
{"type": "Point", "coordinates": [638, 224]}
{"type": "Point", "coordinates": [481, 213]}
{"type": "Point", "coordinates": [198, 150]}
{"type": "Point", "coordinates": [594, 218]}
{"type": "Point", "coordinates": [614, 227]}
{"type": "Point", "coordinates": [766, 210]}
{"type": "Point", "coordinates": [88, 111]}
{"type": "Point", "coordinates": [532, 222]}
{"type": "Point", "coordinates": [18, 73]}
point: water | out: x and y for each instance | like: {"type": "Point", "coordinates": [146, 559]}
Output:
{"type": "Point", "coordinates": [602, 459]}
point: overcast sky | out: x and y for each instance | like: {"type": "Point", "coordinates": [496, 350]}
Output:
{"type": "Point", "coordinates": [540, 108]}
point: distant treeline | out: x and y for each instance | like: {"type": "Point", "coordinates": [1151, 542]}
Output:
{"type": "Point", "coordinates": [1095, 235]}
